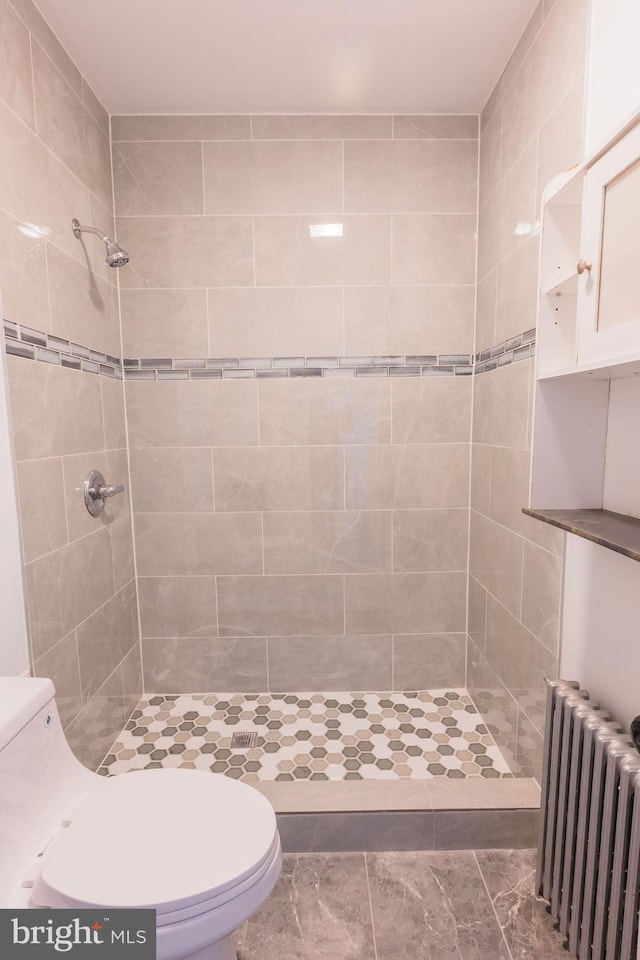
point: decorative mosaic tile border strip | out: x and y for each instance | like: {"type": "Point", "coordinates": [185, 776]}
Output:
{"type": "Point", "coordinates": [245, 368]}
{"type": "Point", "coordinates": [509, 351]}
{"type": "Point", "coordinates": [22, 341]}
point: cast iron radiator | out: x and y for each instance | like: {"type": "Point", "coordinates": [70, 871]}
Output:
{"type": "Point", "coordinates": [589, 846]}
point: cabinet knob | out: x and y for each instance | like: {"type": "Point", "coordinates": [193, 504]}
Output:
{"type": "Point", "coordinates": [583, 265]}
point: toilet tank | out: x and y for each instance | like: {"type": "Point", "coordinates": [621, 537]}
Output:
{"type": "Point", "coordinates": [41, 781]}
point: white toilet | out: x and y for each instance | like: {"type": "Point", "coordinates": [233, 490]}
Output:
{"type": "Point", "coordinates": [200, 848]}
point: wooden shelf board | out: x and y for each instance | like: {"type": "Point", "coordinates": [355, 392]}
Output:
{"type": "Point", "coordinates": [615, 531]}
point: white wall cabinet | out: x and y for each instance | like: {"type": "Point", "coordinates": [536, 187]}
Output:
{"type": "Point", "coordinates": [587, 425]}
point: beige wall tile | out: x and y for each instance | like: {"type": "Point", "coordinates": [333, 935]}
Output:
{"type": "Point", "coordinates": [491, 156]}
{"type": "Point", "coordinates": [164, 323]}
{"type": "Point", "coordinates": [23, 276]}
{"type": "Point", "coordinates": [541, 594]}
{"type": "Point", "coordinates": [428, 661]}
{"type": "Point", "coordinates": [286, 254]}
{"type": "Point", "coordinates": [501, 405]}
{"type": "Point", "coordinates": [36, 187]}
{"type": "Point", "coordinates": [410, 176]}
{"type": "Point", "coordinates": [152, 179]}
{"type": "Point", "coordinates": [431, 410]}
{"type": "Point", "coordinates": [192, 413]}
{"type": "Point", "coordinates": [322, 411]}
{"type": "Point", "coordinates": [512, 203]}
{"type": "Point", "coordinates": [187, 251]}
{"type": "Point", "coordinates": [530, 749]}
{"type": "Point", "coordinates": [200, 544]}
{"type": "Point", "coordinates": [178, 606]}
{"type": "Point", "coordinates": [486, 312]}
{"type": "Point", "coordinates": [41, 397]}
{"type": "Point", "coordinates": [517, 291]}
{"type": "Point", "coordinates": [105, 638]}
{"type": "Point", "coordinates": [112, 392]}
{"type": "Point", "coordinates": [405, 602]}
{"type": "Point", "coordinates": [437, 127]}
{"type": "Point", "coordinates": [49, 42]}
{"type": "Point", "coordinates": [67, 586]}
{"type": "Point", "coordinates": [413, 476]}
{"type": "Point", "coordinates": [16, 87]}
{"type": "Point", "coordinates": [181, 128]}
{"type": "Point", "coordinates": [515, 62]}
{"type": "Point", "coordinates": [84, 307]}
{"type": "Point", "coordinates": [279, 478]}
{"type": "Point", "coordinates": [99, 722]}
{"type": "Point", "coordinates": [61, 665]}
{"type": "Point", "coordinates": [278, 322]}
{"type": "Point", "coordinates": [327, 542]}
{"type": "Point", "coordinates": [408, 320]}
{"type": "Point", "coordinates": [280, 606]}
{"type": "Point", "coordinates": [320, 128]}
{"type": "Point", "coordinates": [273, 177]}
{"type": "Point", "coordinates": [95, 108]}
{"type": "Point", "coordinates": [481, 480]}
{"type": "Point", "coordinates": [478, 614]}
{"type": "Point", "coordinates": [538, 87]}
{"type": "Point", "coordinates": [509, 474]}
{"type": "Point", "coordinates": [131, 673]}
{"type": "Point", "coordinates": [518, 658]}
{"type": "Point", "coordinates": [330, 663]}
{"type": "Point", "coordinates": [496, 561]}
{"type": "Point", "coordinates": [68, 128]}
{"type": "Point", "coordinates": [430, 540]}
{"type": "Point", "coordinates": [42, 507]}
{"type": "Point", "coordinates": [560, 139]}
{"type": "Point", "coordinates": [113, 466]}
{"type": "Point", "coordinates": [434, 248]}
{"type": "Point", "coordinates": [172, 479]}
{"type": "Point", "coordinates": [121, 534]}
{"type": "Point", "coordinates": [204, 665]}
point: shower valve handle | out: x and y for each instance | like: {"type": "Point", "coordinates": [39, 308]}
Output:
{"type": "Point", "coordinates": [96, 491]}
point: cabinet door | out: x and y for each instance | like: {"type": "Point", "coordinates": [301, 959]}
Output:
{"type": "Point", "coordinates": [609, 281]}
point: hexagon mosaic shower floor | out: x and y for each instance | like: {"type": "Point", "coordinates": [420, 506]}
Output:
{"type": "Point", "coordinates": [315, 736]}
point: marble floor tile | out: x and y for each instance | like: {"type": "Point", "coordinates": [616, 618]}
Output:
{"type": "Point", "coordinates": [319, 910]}
{"type": "Point", "coordinates": [432, 906]}
{"type": "Point", "coordinates": [528, 929]}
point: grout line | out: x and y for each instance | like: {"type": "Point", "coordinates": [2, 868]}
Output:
{"type": "Point", "coordinates": [373, 927]}
{"type": "Point", "coordinates": [489, 897]}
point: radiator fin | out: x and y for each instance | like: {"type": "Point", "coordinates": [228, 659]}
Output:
{"type": "Point", "coordinates": [589, 847]}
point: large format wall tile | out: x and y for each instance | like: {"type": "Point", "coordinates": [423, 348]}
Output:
{"type": "Point", "coordinates": [433, 410]}
{"type": "Point", "coordinates": [430, 540]}
{"type": "Point", "coordinates": [330, 663]}
{"type": "Point", "coordinates": [410, 176]}
{"type": "Point", "coordinates": [171, 479]}
{"type": "Point", "coordinates": [280, 606]}
{"type": "Point", "coordinates": [279, 478]}
{"type": "Point", "coordinates": [273, 177]}
{"type": "Point", "coordinates": [187, 251]}
{"type": "Point", "coordinates": [164, 323]}
{"type": "Point", "coordinates": [329, 542]}
{"type": "Point", "coordinates": [198, 544]}
{"type": "Point", "coordinates": [178, 606]}
{"type": "Point", "coordinates": [42, 507]}
{"type": "Point", "coordinates": [201, 665]}
{"type": "Point", "coordinates": [16, 85]}
{"type": "Point", "coordinates": [181, 128]}
{"type": "Point", "coordinates": [428, 661]}
{"type": "Point", "coordinates": [405, 603]}
{"type": "Point", "coordinates": [201, 413]}
{"type": "Point", "coordinates": [407, 476]}
{"type": "Point", "coordinates": [324, 411]}
{"type": "Point", "coordinates": [287, 255]}
{"type": "Point", "coordinates": [434, 248]}
{"type": "Point", "coordinates": [157, 178]}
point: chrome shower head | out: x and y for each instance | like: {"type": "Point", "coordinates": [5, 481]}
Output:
{"type": "Point", "coordinates": [116, 256]}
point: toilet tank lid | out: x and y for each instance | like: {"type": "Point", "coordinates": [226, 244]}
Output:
{"type": "Point", "coordinates": [21, 699]}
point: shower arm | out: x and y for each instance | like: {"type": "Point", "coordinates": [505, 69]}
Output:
{"type": "Point", "coordinates": [78, 230]}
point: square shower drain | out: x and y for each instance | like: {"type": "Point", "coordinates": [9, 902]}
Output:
{"type": "Point", "coordinates": [244, 741]}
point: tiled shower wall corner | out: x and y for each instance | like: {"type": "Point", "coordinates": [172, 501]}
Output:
{"type": "Point", "coordinates": [54, 165]}
{"type": "Point", "coordinates": [298, 532]}
{"type": "Point", "coordinates": [530, 130]}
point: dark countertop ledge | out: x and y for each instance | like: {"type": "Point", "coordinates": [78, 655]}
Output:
{"type": "Point", "coordinates": [615, 531]}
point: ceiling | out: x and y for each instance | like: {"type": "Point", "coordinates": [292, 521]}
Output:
{"type": "Point", "coordinates": [290, 56]}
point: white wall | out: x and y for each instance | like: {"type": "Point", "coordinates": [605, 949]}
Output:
{"type": "Point", "coordinates": [14, 650]}
{"type": "Point", "coordinates": [613, 83]}
{"type": "Point", "coordinates": [601, 626]}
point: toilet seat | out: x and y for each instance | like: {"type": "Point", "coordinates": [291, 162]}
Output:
{"type": "Point", "coordinates": [118, 852]}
